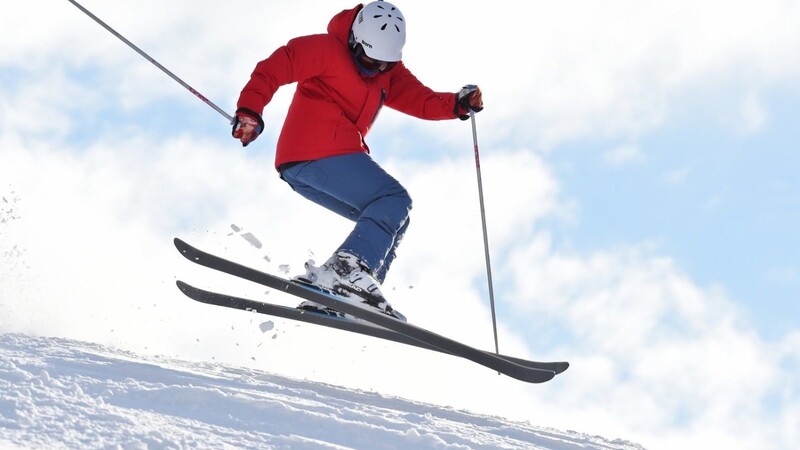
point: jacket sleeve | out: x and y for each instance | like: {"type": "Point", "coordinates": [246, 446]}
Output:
{"type": "Point", "coordinates": [408, 95]}
{"type": "Point", "coordinates": [267, 77]}
{"type": "Point", "coordinates": [300, 59]}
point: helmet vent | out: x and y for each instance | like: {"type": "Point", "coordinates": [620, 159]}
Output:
{"type": "Point", "coordinates": [383, 28]}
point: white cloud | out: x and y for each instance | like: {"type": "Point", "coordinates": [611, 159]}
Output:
{"type": "Point", "coordinates": [551, 72]}
{"type": "Point", "coordinates": [623, 155]}
{"type": "Point", "coordinates": [655, 348]}
{"type": "Point", "coordinates": [587, 69]}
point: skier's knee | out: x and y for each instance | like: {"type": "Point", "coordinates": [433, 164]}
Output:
{"type": "Point", "coordinates": [402, 204]}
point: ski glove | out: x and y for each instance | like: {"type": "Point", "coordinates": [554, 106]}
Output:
{"type": "Point", "coordinates": [247, 125]}
{"type": "Point", "coordinates": [468, 99]}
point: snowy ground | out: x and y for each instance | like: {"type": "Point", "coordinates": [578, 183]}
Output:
{"type": "Point", "coordinates": [58, 393]}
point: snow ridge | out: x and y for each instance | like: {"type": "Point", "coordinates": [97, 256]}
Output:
{"type": "Point", "coordinates": [58, 393]}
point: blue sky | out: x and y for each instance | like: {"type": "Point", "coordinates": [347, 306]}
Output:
{"type": "Point", "coordinates": [724, 204]}
{"type": "Point", "coordinates": [639, 162]}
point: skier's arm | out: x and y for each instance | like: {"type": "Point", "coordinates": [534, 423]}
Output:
{"type": "Point", "coordinates": [299, 59]}
{"type": "Point", "coordinates": [267, 77]}
{"type": "Point", "coordinates": [408, 95]}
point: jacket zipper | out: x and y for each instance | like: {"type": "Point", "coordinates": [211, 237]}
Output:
{"type": "Point", "coordinates": [380, 105]}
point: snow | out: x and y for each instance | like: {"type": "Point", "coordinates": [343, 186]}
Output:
{"type": "Point", "coordinates": [58, 393]}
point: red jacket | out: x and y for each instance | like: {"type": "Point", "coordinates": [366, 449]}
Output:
{"type": "Point", "coordinates": [334, 106]}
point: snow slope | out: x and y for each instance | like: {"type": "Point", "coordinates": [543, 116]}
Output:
{"type": "Point", "coordinates": [58, 393]}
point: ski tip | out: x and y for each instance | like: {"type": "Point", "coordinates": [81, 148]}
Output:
{"type": "Point", "coordinates": [183, 248]}
{"type": "Point", "coordinates": [179, 244]}
{"type": "Point", "coordinates": [186, 288]}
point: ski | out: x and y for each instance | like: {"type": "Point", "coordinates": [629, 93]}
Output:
{"type": "Point", "coordinates": [359, 327]}
{"type": "Point", "coordinates": [446, 345]}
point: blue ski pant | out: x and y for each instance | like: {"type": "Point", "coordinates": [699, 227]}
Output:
{"type": "Point", "coordinates": [357, 188]}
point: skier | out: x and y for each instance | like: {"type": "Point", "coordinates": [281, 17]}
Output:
{"type": "Point", "coordinates": [343, 79]}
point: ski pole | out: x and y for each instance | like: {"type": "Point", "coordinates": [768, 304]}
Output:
{"type": "Point", "coordinates": [485, 234]}
{"type": "Point", "coordinates": [155, 63]}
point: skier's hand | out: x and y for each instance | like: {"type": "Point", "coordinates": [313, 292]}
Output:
{"type": "Point", "coordinates": [469, 99]}
{"type": "Point", "coordinates": [247, 125]}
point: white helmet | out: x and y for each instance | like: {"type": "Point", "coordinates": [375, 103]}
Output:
{"type": "Point", "coordinates": [381, 29]}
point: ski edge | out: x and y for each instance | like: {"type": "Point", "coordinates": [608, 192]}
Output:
{"type": "Point", "coordinates": [364, 328]}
